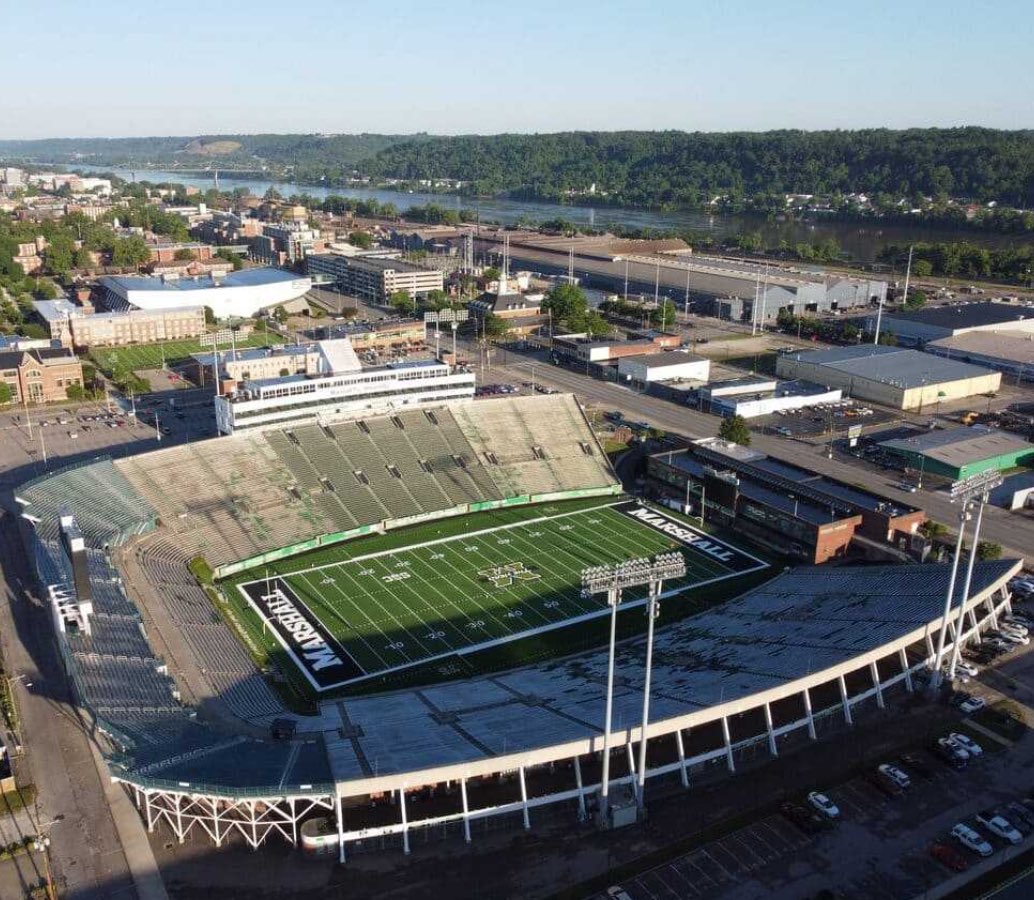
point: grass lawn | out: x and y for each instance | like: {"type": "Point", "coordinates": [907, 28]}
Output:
{"type": "Point", "coordinates": [149, 356]}
{"type": "Point", "coordinates": [506, 584]}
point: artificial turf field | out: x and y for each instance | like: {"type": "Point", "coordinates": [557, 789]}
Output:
{"type": "Point", "coordinates": [134, 357]}
{"type": "Point", "coordinates": [344, 616]}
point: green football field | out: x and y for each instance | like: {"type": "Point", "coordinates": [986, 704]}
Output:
{"type": "Point", "coordinates": [448, 594]}
{"type": "Point", "coordinates": [134, 357]}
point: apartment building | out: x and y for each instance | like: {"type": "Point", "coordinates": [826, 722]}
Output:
{"type": "Point", "coordinates": [76, 326]}
{"type": "Point", "coordinates": [375, 278]}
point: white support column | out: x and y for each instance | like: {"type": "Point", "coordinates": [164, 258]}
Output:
{"type": "Point", "coordinates": [147, 807]}
{"type": "Point", "coordinates": [729, 761]}
{"type": "Point", "coordinates": [809, 714]}
{"type": "Point", "coordinates": [466, 810]}
{"type": "Point", "coordinates": [294, 825]}
{"type": "Point", "coordinates": [929, 647]}
{"type": "Point", "coordinates": [340, 830]}
{"type": "Point", "coordinates": [845, 700]}
{"type": "Point", "coordinates": [581, 789]}
{"type": "Point", "coordinates": [524, 797]}
{"type": "Point", "coordinates": [631, 768]}
{"type": "Point", "coordinates": [179, 818]}
{"type": "Point", "coordinates": [991, 614]}
{"type": "Point", "coordinates": [405, 823]}
{"type": "Point", "coordinates": [875, 672]}
{"type": "Point", "coordinates": [903, 657]}
{"type": "Point", "coordinates": [772, 748]}
{"type": "Point", "coordinates": [682, 758]}
{"type": "Point", "coordinates": [974, 634]}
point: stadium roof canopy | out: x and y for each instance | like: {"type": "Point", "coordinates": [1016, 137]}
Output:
{"type": "Point", "coordinates": [801, 623]}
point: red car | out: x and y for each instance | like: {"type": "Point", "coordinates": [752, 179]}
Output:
{"type": "Point", "coordinates": [949, 857]}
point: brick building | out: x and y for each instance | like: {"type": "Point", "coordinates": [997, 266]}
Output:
{"type": "Point", "coordinates": [40, 376]}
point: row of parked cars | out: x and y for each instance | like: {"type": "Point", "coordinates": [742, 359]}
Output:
{"type": "Point", "coordinates": [1007, 824]}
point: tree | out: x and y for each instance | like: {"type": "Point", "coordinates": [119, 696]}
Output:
{"type": "Point", "coordinates": [82, 258]}
{"type": "Point", "coordinates": [665, 316]}
{"type": "Point", "coordinates": [280, 314]}
{"type": "Point", "coordinates": [989, 550]}
{"type": "Point", "coordinates": [735, 430]}
{"type": "Point", "coordinates": [209, 315]}
{"type": "Point", "coordinates": [360, 239]}
{"type": "Point", "coordinates": [272, 194]}
{"type": "Point", "coordinates": [922, 268]}
{"type": "Point", "coordinates": [402, 303]}
{"type": "Point", "coordinates": [436, 300]}
{"type": "Point", "coordinates": [492, 273]}
{"type": "Point", "coordinates": [130, 251]}
{"type": "Point", "coordinates": [75, 392]}
{"type": "Point", "coordinates": [184, 254]}
{"type": "Point", "coordinates": [230, 257]}
{"type": "Point", "coordinates": [915, 300]}
{"type": "Point", "coordinates": [494, 326]}
{"type": "Point", "coordinates": [6, 394]}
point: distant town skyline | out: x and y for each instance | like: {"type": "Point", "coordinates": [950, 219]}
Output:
{"type": "Point", "coordinates": [122, 70]}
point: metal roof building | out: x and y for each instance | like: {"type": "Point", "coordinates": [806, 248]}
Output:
{"type": "Point", "coordinates": [892, 376]}
{"type": "Point", "coordinates": [959, 318]}
{"type": "Point", "coordinates": [1010, 352]}
{"type": "Point", "coordinates": [961, 452]}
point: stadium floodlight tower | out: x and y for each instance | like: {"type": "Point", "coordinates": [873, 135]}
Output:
{"type": "Point", "coordinates": [980, 490]}
{"type": "Point", "coordinates": [453, 317]}
{"type": "Point", "coordinates": [964, 492]}
{"type": "Point", "coordinates": [612, 580]}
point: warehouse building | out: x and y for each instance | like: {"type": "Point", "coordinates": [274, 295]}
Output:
{"type": "Point", "coordinates": [892, 376]}
{"type": "Point", "coordinates": [792, 510]}
{"type": "Point", "coordinates": [1010, 352]}
{"type": "Point", "coordinates": [373, 277]}
{"type": "Point", "coordinates": [752, 396]}
{"type": "Point", "coordinates": [960, 452]}
{"type": "Point", "coordinates": [675, 365]}
{"type": "Point", "coordinates": [955, 319]}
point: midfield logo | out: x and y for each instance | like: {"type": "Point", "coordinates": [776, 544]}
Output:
{"type": "Point", "coordinates": [505, 575]}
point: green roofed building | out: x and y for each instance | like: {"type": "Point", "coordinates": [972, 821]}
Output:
{"type": "Point", "coordinates": [960, 452]}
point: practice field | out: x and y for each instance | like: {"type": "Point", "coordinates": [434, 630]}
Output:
{"type": "Point", "coordinates": [149, 356]}
{"type": "Point", "coordinates": [360, 617]}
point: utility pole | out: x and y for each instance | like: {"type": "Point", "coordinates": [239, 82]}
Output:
{"type": "Point", "coordinates": [626, 280]}
{"type": "Point", "coordinates": [879, 309]}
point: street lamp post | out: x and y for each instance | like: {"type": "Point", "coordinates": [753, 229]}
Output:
{"type": "Point", "coordinates": [612, 580]}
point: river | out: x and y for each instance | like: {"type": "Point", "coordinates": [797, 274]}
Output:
{"type": "Point", "coordinates": [861, 241]}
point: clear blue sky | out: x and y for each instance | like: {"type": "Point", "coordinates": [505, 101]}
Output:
{"type": "Point", "coordinates": [121, 67]}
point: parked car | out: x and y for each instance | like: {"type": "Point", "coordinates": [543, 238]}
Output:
{"type": "Point", "coordinates": [1014, 637]}
{"type": "Point", "coordinates": [951, 753]}
{"type": "Point", "coordinates": [966, 743]}
{"type": "Point", "coordinates": [1020, 816]}
{"type": "Point", "coordinates": [824, 805]}
{"type": "Point", "coordinates": [893, 773]}
{"type": "Point", "coordinates": [949, 857]}
{"type": "Point", "coordinates": [969, 704]}
{"type": "Point", "coordinates": [967, 668]}
{"type": "Point", "coordinates": [809, 821]}
{"type": "Point", "coordinates": [971, 839]}
{"type": "Point", "coordinates": [999, 826]}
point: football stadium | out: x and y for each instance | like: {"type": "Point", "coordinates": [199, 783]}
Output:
{"type": "Point", "coordinates": [380, 629]}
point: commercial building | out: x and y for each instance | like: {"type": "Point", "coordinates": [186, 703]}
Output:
{"type": "Point", "coordinates": [793, 510]}
{"type": "Point", "coordinates": [40, 375]}
{"type": "Point", "coordinates": [344, 395]}
{"type": "Point", "coordinates": [892, 376]}
{"type": "Point", "coordinates": [1010, 352]}
{"type": "Point", "coordinates": [373, 277]}
{"type": "Point", "coordinates": [382, 336]}
{"type": "Point", "coordinates": [283, 244]}
{"type": "Point", "coordinates": [582, 348]}
{"type": "Point", "coordinates": [955, 319]}
{"type": "Point", "coordinates": [241, 293]}
{"type": "Point", "coordinates": [263, 363]}
{"type": "Point", "coordinates": [76, 326]}
{"type": "Point", "coordinates": [673, 365]}
{"type": "Point", "coordinates": [960, 452]}
{"type": "Point", "coordinates": [752, 397]}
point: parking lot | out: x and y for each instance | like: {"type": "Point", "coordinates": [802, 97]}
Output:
{"type": "Point", "coordinates": [880, 844]}
{"type": "Point", "coordinates": [44, 439]}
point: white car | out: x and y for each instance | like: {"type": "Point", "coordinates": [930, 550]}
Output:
{"type": "Point", "coordinates": [1014, 637]}
{"type": "Point", "coordinates": [966, 743]}
{"type": "Point", "coordinates": [967, 668]}
{"type": "Point", "coordinates": [824, 805]}
{"type": "Point", "coordinates": [999, 826]}
{"type": "Point", "coordinates": [972, 704]}
{"type": "Point", "coordinates": [1017, 619]}
{"type": "Point", "coordinates": [956, 750]}
{"type": "Point", "coordinates": [971, 839]}
{"type": "Point", "coordinates": [1015, 628]}
{"type": "Point", "coordinates": [895, 774]}
{"type": "Point", "coordinates": [618, 893]}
